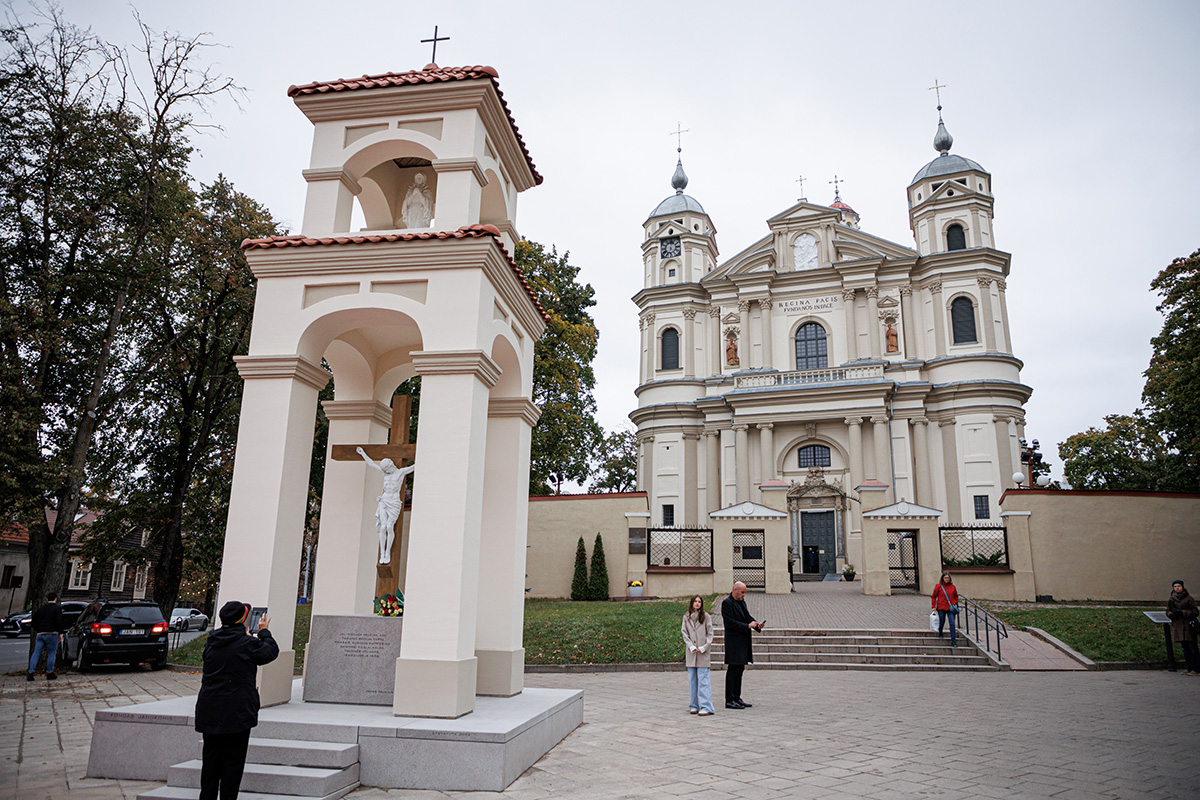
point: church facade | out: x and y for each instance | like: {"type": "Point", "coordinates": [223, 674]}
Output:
{"type": "Point", "coordinates": [822, 358]}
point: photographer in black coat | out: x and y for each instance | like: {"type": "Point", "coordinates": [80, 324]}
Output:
{"type": "Point", "coordinates": [227, 707]}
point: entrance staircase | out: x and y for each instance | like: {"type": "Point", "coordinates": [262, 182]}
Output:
{"type": "Point", "coordinates": [794, 648]}
{"type": "Point", "coordinates": [276, 769]}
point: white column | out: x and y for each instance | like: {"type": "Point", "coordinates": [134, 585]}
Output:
{"type": "Point", "coordinates": [883, 461]}
{"type": "Point", "coordinates": [873, 321]}
{"type": "Point", "coordinates": [857, 476]}
{"type": "Point", "coordinates": [921, 461]}
{"type": "Point", "coordinates": [500, 620]}
{"type": "Point", "coordinates": [651, 347]}
{"type": "Point", "coordinates": [712, 476]}
{"type": "Point", "coordinates": [716, 352]}
{"type": "Point", "coordinates": [688, 343]}
{"type": "Point", "coordinates": [691, 469]}
{"type": "Point", "coordinates": [348, 545]}
{"type": "Point", "coordinates": [1004, 450]}
{"type": "Point", "coordinates": [764, 310]}
{"type": "Point", "coordinates": [745, 344]}
{"type": "Point", "coordinates": [329, 203]}
{"type": "Point", "coordinates": [1005, 333]}
{"type": "Point", "coordinates": [953, 508]}
{"type": "Point", "coordinates": [268, 499]}
{"type": "Point", "coordinates": [766, 449]}
{"type": "Point", "coordinates": [987, 316]}
{"type": "Point", "coordinates": [460, 184]}
{"type": "Point", "coordinates": [907, 323]}
{"type": "Point", "coordinates": [939, 318]}
{"type": "Point", "coordinates": [741, 452]}
{"type": "Point", "coordinates": [851, 313]}
{"type": "Point", "coordinates": [436, 674]}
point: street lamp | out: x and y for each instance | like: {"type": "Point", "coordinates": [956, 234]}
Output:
{"type": "Point", "coordinates": [1031, 458]}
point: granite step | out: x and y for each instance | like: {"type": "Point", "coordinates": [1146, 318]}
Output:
{"type": "Point", "coordinates": [906, 667]}
{"type": "Point", "coordinates": [184, 793]}
{"type": "Point", "coordinates": [274, 778]}
{"type": "Point", "coordinates": [298, 753]}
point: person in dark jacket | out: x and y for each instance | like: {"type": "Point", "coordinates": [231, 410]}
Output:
{"type": "Point", "coordinates": [738, 652]}
{"type": "Point", "coordinates": [227, 706]}
{"type": "Point", "coordinates": [46, 628]}
{"type": "Point", "coordinates": [1181, 610]}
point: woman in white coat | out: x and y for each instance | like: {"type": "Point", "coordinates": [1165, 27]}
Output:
{"type": "Point", "coordinates": [697, 640]}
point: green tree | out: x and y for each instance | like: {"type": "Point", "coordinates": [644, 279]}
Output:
{"type": "Point", "coordinates": [1128, 454]}
{"type": "Point", "coordinates": [1172, 390]}
{"type": "Point", "coordinates": [615, 469]}
{"type": "Point", "coordinates": [579, 582]}
{"type": "Point", "coordinates": [567, 433]}
{"type": "Point", "coordinates": [598, 581]}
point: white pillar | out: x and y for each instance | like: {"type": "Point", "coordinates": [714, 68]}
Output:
{"type": "Point", "coordinates": [939, 318]}
{"type": "Point", "coordinates": [766, 449]}
{"type": "Point", "coordinates": [691, 469]}
{"type": "Point", "coordinates": [764, 310]}
{"type": "Point", "coordinates": [651, 347]}
{"type": "Point", "coordinates": [436, 674]}
{"type": "Point", "coordinates": [688, 343]}
{"type": "Point", "coordinates": [348, 545]}
{"type": "Point", "coordinates": [460, 184]}
{"type": "Point", "coordinates": [712, 470]}
{"type": "Point", "coordinates": [1005, 333]}
{"type": "Point", "coordinates": [269, 498]}
{"type": "Point", "coordinates": [1004, 450]}
{"type": "Point", "coordinates": [873, 321]}
{"type": "Point", "coordinates": [883, 461]}
{"type": "Point", "coordinates": [907, 324]}
{"type": "Point", "coordinates": [851, 313]}
{"type": "Point", "coordinates": [329, 203]}
{"type": "Point", "coordinates": [921, 461]}
{"type": "Point", "coordinates": [950, 462]}
{"type": "Point", "coordinates": [857, 475]}
{"type": "Point", "coordinates": [745, 344]}
{"type": "Point", "coordinates": [741, 453]}
{"type": "Point", "coordinates": [716, 352]}
{"type": "Point", "coordinates": [987, 316]}
{"type": "Point", "coordinates": [500, 620]}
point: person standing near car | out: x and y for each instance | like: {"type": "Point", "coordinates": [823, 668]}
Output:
{"type": "Point", "coordinates": [46, 628]}
{"type": "Point", "coordinates": [227, 706]}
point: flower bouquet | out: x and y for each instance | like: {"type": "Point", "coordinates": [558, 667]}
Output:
{"type": "Point", "coordinates": [390, 605]}
{"type": "Point", "coordinates": [848, 571]}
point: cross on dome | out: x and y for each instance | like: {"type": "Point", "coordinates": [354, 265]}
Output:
{"type": "Point", "coordinates": [679, 180]}
{"type": "Point", "coordinates": [942, 140]}
{"type": "Point", "coordinates": [836, 180]}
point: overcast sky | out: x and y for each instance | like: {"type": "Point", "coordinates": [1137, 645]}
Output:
{"type": "Point", "coordinates": [1085, 113]}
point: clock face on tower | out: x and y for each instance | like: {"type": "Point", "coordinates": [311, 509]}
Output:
{"type": "Point", "coordinates": [669, 248]}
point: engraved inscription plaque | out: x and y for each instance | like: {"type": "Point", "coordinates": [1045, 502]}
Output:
{"type": "Point", "coordinates": [352, 659]}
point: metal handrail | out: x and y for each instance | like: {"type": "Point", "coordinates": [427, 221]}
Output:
{"type": "Point", "coordinates": [972, 612]}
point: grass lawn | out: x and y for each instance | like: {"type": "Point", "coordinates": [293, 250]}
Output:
{"type": "Point", "coordinates": [1101, 634]}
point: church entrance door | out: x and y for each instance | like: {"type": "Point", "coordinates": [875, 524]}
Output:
{"type": "Point", "coordinates": [818, 542]}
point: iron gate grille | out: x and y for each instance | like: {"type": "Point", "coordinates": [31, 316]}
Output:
{"type": "Point", "coordinates": [974, 545]}
{"type": "Point", "coordinates": [902, 559]}
{"type": "Point", "coordinates": [749, 560]}
{"type": "Point", "coordinates": [679, 547]}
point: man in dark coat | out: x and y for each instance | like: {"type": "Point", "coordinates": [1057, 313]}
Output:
{"type": "Point", "coordinates": [227, 707]}
{"type": "Point", "coordinates": [46, 629]}
{"type": "Point", "coordinates": [738, 652]}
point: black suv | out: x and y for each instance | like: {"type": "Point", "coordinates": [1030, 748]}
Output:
{"type": "Point", "coordinates": [117, 632]}
{"type": "Point", "coordinates": [18, 624]}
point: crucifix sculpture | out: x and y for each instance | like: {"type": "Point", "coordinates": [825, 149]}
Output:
{"type": "Point", "coordinates": [385, 458]}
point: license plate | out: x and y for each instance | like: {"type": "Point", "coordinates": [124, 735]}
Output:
{"type": "Point", "coordinates": [131, 632]}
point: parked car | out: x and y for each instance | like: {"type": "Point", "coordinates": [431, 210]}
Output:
{"type": "Point", "coordinates": [186, 619]}
{"type": "Point", "coordinates": [117, 632]}
{"type": "Point", "coordinates": [18, 624]}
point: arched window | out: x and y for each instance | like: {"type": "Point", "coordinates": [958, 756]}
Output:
{"type": "Point", "coordinates": [812, 351]}
{"type": "Point", "coordinates": [962, 320]}
{"type": "Point", "coordinates": [670, 349]}
{"type": "Point", "coordinates": [956, 237]}
{"type": "Point", "coordinates": [814, 455]}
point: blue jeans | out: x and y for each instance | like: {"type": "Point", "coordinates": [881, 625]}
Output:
{"type": "Point", "coordinates": [700, 688]}
{"type": "Point", "coordinates": [942, 615]}
{"type": "Point", "coordinates": [49, 643]}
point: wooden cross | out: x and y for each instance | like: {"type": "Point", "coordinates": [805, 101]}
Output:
{"type": "Point", "coordinates": [937, 89]}
{"type": "Point", "coordinates": [435, 40]}
{"type": "Point", "coordinates": [678, 134]}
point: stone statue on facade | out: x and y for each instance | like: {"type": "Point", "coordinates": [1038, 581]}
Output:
{"type": "Point", "coordinates": [731, 352]}
{"type": "Point", "coordinates": [390, 503]}
{"type": "Point", "coordinates": [417, 210]}
{"type": "Point", "coordinates": [893, 339]}
{"type": "Point", "coordinates": [804, 251]}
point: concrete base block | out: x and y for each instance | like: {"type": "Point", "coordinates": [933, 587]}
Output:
{"type": "Point", "coordinates": [444, 689]}
{"type": "Point", "coordinates": [275, 679]}
{"type": "Point", "coordinates": [483, 751]}
{"type": "Point", "coordinates": [877, 582]}
{"type": "Point", "coordinates": [501, 672]}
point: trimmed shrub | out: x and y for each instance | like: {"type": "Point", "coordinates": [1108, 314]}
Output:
{"type": "Point", "coordinates": [598, 582]}
{"type": "Point", "coordinates": [579, 583]}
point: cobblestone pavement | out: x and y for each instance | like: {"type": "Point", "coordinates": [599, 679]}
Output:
{"type": "Point", "coordinates": [811, 734]}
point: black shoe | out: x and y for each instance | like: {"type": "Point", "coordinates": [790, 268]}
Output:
{"type": "Point", "coordinates": [730, 704]}
{"type": "Point", "coordinates": [953, 643]}
{"type": "Point", "coordinates": [745, 704]}
{"type": "Point", "coordinates": [29, 677]}
{"type": "Point", "coordinates": [50, 676]}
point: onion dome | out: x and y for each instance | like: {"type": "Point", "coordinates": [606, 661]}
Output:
{"type": "Point", "coordinates": [945, 163]}
{"type": "Point", "coordinates": [678, 202]}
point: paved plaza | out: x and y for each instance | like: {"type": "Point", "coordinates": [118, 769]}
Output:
{"type": "Point", "coordinates": [811, 734]}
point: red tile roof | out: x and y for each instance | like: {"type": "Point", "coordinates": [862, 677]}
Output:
{"type": "Point", "coordinates": [431, 74]}
{"type": "Point", "coordinates": [465, 232]}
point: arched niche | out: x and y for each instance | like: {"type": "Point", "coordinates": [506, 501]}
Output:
{"type": "Point", "coordinates": [387, 172]}
{"type": "Point", "coordinates": [493, 209]}
{"type": "Point", "coordinates": [378, 335]}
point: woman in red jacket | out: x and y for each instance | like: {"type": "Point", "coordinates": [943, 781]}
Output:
{"type": "Point", "coordinates": [945, 602]}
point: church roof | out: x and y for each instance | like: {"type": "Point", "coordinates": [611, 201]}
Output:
{"type": "Point", "coordinates": [946, 164]}
{"type": "Point", "coordinates": [431, 74]}
{"type": "Point", "coordinates": [677, 203]}
{"type": "Point", "coordinates": [465, 232]}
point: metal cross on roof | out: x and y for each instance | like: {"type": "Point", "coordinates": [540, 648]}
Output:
{"type": "Point", "coordinates": [937, 89]}
{"type": "Point", "coordinates": [836, 180]}
{"type": "Point", "coordinates": [800, 181]}
{"type": "Point", "coordinates": [678, 134]}
{"type": "Point", "coordinates": [435, 40]}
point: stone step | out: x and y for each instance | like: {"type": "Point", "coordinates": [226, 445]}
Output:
{"type": "Point", "coordinates": [872, 667]}
{"type": "Point", "coordinates": [274, 778]}
{"type": "Point", "coordinates": [185, 793]}
{"type": "Point", "coordinates": [856, 648]}
{"type": "Point", "coordinates": [297, 753]}
{"type": "Point", "coordinates": [843, 641]}
{"type": "Point", "coordinates": [852, 658]}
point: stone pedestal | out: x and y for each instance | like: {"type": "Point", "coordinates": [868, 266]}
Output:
{"type": "Point", "coordinates": [352, 659]}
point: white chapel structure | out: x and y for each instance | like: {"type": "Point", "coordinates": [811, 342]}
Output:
{"type": "Point", "coordinates": [821, 358]}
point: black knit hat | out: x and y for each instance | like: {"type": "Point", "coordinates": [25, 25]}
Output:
{"type": "Point", "coordinates": [1179, 582]}
{"type": "Point", "coordinates": [234, 613]}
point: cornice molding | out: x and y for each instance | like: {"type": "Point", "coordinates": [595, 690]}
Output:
{"type": "Point", "coordinates": [519, 407]}
{"type": "Point", "coordinates": [457, 362]}
{"type": "Point", "coordinates": [358, 409]}
{"type": "Point", "coordinates": [294, 367]}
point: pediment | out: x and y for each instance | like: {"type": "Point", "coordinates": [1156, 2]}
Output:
{"type": "Point", "coordinates": [803, 210]}
{"type": "Point", "coordinates": [730, 319]}
{"type": "Point", "coordinates": [758, 257]}
{"type": "Point", "coordinates": [853, 243]}
{"type": "Point", "coordinates": [888, 302]}
{"type": "Point", "coordinates": [951, 185]}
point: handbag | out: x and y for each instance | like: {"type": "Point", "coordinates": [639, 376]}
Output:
{"type": "Point", "coordinates": [933, 621]}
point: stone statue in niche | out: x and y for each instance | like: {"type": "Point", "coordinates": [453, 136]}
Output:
{"type": "Point", "coordinates": [893, 339]}
{"type": "Point", "coordinates": [390, 503]}
{"type": "Point", "coordinates": [804, 251]}
{"type": "Point", "coordinates": [731, 352]}
{"type": "Point", "coordinates": [417, 210]}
